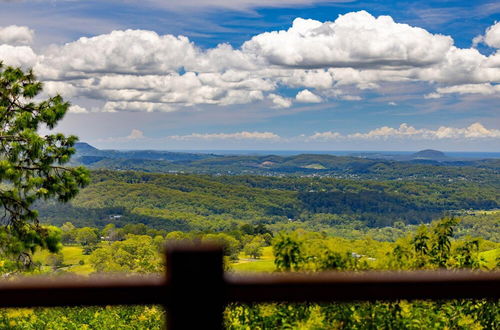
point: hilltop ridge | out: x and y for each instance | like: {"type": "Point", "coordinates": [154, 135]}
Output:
{"type": "Point", "coordinates": [429, 154]}
{"type": "Point", "coordinates": [429, 165]}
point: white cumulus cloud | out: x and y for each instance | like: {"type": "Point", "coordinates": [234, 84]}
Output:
{"type": "Point", "coordinates": [405, 131]}
{"type": "Point", "coordinates": [307, 96]}
{"type": "Point", "coordinates": [356, 39]}
{"type": "Point", "coordinates": [385, 132]}
{"type": "Point", "coordinates": [18, 56]}
{"type": "Point", "coordinates": [325, 136]}
{"type": "Point", "coordinates": [280, 101]}
{"type": "Point", "coordinates": [476, 130]}
{"type": "Point", "coordinates": [492, 37]}
{"type": "Point", "coordinates": [129, 51]}
{"type": "Point", "coordinates": [16, 35]}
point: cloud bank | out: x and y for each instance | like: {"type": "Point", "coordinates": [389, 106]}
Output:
{"type": "Point", "coordinates": [258, 136]}
{"type": "Point", "coordinates": [405, 131]}
{"type": "Point", "coordinates": [475, 131]}
{"type": "Point", "coordinates": [139, 70]}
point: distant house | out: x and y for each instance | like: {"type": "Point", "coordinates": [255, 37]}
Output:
{"type": "Point", "coordinates": [115, 216]}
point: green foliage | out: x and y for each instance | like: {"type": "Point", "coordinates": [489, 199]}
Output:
{"type": "Point", "coordinates": [133, 317]}
{"type": "Point", "coordinates": [68, 233]}
{"type": "Point", "coordinates": [467, 254]}
{"type": "Point", "coordinates": [433, 247]}
{"type": "Point", "coordinates": [484, 224]}
{"type": "Point", "coordinates": [427, 248]}
{"type": "Point", "coordinates": [136, 254]}
{"type": "Point", "coordinates": [111, 233]}
{"type": "Point", "coordinates": [31, 166]}
{"type": "Point", "coordinates": [298, 251]}
{"type": "Point", "coordinates": [288, 252]}
{"type": "Point", "coordinates": [173, 202]}
{"type": "Point", "coordinates": [254, 247]}
{"type": "Point", "coordinates": [443, 232]}
{"type": "Point", "coordinates": [74, 261]}
{"type": "Point", "coordinates": [230, 244]}
{"type": "Point", "coordinates": [87, 236]}
{"type": "Point", "coordinates": [16, 251]}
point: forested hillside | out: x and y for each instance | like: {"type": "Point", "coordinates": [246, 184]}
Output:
{"type": "Point", "coordinates": [200, 202]}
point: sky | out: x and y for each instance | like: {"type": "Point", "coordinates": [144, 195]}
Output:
{"type": "Point", "coordinates": [265, 74]}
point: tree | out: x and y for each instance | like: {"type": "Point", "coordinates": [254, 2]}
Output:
{"type": "Point", "coordinates": [176, 236]}
{"type": "Point", "coordinates": [137, 253]}
{"type": "Point", "coordinates": [288, 252]}
{"type": "Point", "coordinates": [68, 232]}
{"type": "Point", "coordinates": [443, 232]}
{"type": "Point", "coordinates": [17, 252]}
{"type": "Point", "coordinates": [87, 236]}
{"type": "Point", "coordinates": [230, 244]}
{"type": "Point", "coordinates": [254, 247]}
{"type": "Point", "coordinates": [32, 165]}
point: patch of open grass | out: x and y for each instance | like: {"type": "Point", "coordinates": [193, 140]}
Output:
{"type": "Point", "coordinates": [72, 257]}
{"type": "Point", "coordinates": [255, 266]}
{"type": "Point", "coordinates": [84, 269]}
{"type": "Point", "coordinates": [264, 264]}
{"type": "Point", "coordinates": [315, 167]}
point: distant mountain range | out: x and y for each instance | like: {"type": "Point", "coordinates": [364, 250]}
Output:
{"type": "Point", "coordinates": [425, 164]}
{"type": "Point", "coordinates": [427, 154]}
{"type": "Point", "coordinates": [86, 150]}
{"type": "Point", "coordinates": [89, 152]}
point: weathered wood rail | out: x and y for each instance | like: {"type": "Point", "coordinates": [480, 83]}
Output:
{"type": "Point", "coordinates": [195, 289]}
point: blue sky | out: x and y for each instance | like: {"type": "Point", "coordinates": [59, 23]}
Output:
{"type": "Point", "coordinates": [266, 74]}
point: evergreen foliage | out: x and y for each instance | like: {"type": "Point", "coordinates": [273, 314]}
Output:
{"type": "Point", "coordinates": [31, 165]}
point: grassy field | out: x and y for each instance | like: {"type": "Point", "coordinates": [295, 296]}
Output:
{"type": "Point", "coordinates": [264, 264]}
{"type": "Point", "coordinates": [73, 255]}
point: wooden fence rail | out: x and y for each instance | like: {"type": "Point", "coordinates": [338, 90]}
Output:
{"type": "Point", "coordinates": [195, 289]}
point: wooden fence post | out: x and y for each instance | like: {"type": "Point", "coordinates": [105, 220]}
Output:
{"type": "Point", "coordinates": [197, 291]}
